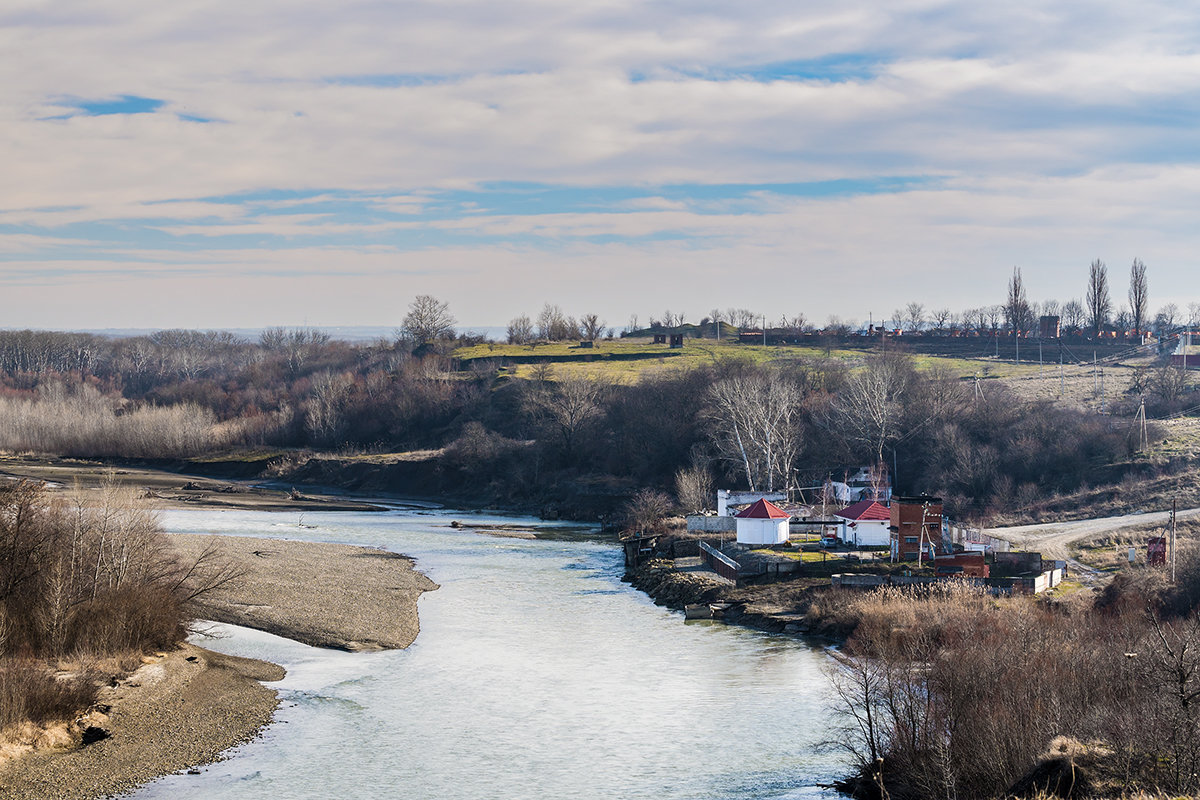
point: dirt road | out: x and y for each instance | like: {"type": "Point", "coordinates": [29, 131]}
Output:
{"type": "Point", "coordinates": [1054, 539]}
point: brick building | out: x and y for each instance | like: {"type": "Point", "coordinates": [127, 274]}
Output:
{"type": "Point", "coordinates": [916, 527]}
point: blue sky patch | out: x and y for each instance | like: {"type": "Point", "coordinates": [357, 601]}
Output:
{"type": "Point", "coordinates": [123, 104]}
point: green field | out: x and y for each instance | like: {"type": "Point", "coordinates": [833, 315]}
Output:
{"type": "Point", "coordinates": [628, 359]}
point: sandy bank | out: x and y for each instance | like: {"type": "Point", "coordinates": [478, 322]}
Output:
{"type": "Point", "coordinates": [181, 710]}
{"type": "Point", "coordinates": [325, 595]}
{"type": "Point", "coordinates": [173, 490]}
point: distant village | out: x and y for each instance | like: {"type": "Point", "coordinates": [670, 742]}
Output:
{"type": "Point", "coordinates": [858, 523]}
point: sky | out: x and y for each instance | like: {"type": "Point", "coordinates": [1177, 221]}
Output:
{"type": "Point", "coordinates": [235, 164]}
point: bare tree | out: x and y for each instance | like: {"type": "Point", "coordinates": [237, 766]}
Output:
{"type": "Point", "coordinates": [941, 319]}
{"type": "Point", "coordinates": [520, 330]}
{"type": "Point", "coordinates": [1139, 294]}
{"type": "Point", "coordinates": [647, 511]}
{"type": "Point", "coordinates": [324, 416]}
{"type": "Point", "coordinates": [1099, 304]}
{"type": "Point", "coordinates": [993, 315]}
{"type": "Point", "coordinates": [568, 407]}
{"type": "Point", "coordinates": [756, 425]}
{"type": "Point", "coordinates": [694, 487]}
{"type": "Point", "coordinates": [554, 326]}
{"type": "Point", "coordinates": [1166, 320]}
{"type": "Point", "coordinates": [716, 317]}
{"type": "Point", "coordinates": [1123, 319]}
{"type": "Point", "coordinates": [1073, 315]}
{"type": "Point", "coordinates": [592, 327]}
{"type": "Point", "coordinates": [428, 320]}
{"type": "Point", "coordinates": [915, 314]}
{"type": "Point", "coordinates": [868, 409]}
{"type": "Point", "coordinates": [1016, 307]}
{"type": "Point", "coordinates": [741, 318]}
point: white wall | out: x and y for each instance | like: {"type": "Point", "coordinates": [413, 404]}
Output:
{"type": "Point", "coordinates": [762, 531]}
{"type": "Point", "coordinates": [867, 533]}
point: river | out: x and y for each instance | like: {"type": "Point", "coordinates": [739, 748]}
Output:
{"type": "Point", "coordinates": [537, 674]}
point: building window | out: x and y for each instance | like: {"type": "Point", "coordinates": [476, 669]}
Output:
{"type": "Point", "coordinates": [910, 539]}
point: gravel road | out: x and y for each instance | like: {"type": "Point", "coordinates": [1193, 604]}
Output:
{"type": "Point", "coordinates": [1054, 539]}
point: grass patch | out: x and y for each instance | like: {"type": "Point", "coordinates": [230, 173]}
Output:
{"type": "Point", "coordinates": [624, 360]}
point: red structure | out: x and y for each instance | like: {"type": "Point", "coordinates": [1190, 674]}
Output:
{"type": "Point", "coordinates": [1049, 327]}
{"type": "Point", "coordinates": [916, 527]}
{"type": "Point", "coordinates": [964, 565]}
{"type": "Point", "coordinates": [1156, 551]}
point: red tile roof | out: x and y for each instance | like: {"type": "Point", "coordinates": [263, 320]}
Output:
{"type": "Point", "coordinates": [865, 509]}
{"type": "Point", "coordinates": [763, 509]}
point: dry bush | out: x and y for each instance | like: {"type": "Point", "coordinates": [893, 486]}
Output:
{"type": "Point", "coordinates": [81, 422]}
{"type": "Point", "coordinates": [959, 693]}
{"type": "Point", "coordinates": [95, 582]}
{"type": "Point", "coordinates": [29, 692]}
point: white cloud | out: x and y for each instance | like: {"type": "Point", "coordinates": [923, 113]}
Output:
{"type": "Point", "coordinates": [1054, 130]}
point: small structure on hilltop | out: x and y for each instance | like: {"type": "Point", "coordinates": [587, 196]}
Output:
{"type": "Point", "coordinates": [762, 523]}
{"type": "Point", "coordinates": [865, 524]}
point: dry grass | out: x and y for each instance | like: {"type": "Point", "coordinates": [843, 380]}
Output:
{"type": "Point", "coordinates": [1110, 551]}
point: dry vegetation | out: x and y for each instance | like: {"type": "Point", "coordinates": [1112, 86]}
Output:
{"type": "Point", "coordinates": [952, 693]}
{"type": "Point", "coordinates": [85, 590]}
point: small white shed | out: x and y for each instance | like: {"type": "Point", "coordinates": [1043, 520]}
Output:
{"type": "Point", "coordinates": [865, 524]}
{"type": "Point", "coordinates": [762, 523]}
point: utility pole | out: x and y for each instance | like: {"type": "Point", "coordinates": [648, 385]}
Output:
{"type": "Point", "coordinates": [1062, 381]}
{"type": "Point", "coordinates": [764, 330]}
{"type": "Point", "coordinates": [1173, 506]}
{"type": "Point", "coordinates": [1041, 365]}
{"type": "Point", "coordinates": [921, 536]}
{"type": "Point", "coordinates": [1141, 417]}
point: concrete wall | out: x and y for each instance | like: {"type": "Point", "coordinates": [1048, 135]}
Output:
{"type": "Point", "coordinates": [699, 524]}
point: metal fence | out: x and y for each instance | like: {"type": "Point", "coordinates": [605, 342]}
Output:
{"type": "Point", "coordinates": [720, 563]}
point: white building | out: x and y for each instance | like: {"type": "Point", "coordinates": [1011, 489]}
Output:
{"type": "Point", "coordinates": [865, 524]}
{"type": "Point", "coordinates": [726, 498]}
{"type": "Point", "coordinates": [762, 523]}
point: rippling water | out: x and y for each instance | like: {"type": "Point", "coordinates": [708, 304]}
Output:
{"type": "Point", "coordinates": [537, 674]}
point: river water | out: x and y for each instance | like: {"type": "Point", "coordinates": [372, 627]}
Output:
{"type": "Point", "coordinates": [537, 674]}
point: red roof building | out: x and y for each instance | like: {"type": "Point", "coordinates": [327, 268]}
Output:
{"type": "Point", "coordinates": [865, 510]}
{"type": "Point", "coordinates": [763, 509]}
{"type": "Point", "coordinates": [865, 524]}
{"type": "Point", "coordinates": [762, 523]}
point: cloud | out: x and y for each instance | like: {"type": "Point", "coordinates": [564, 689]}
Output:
{"type": "Point", "coordinates": [907, 139]}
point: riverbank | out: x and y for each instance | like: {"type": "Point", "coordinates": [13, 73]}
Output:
{"type": "Point", "coordinates": [166, 489]}
{"type": "Point", "coordinates": [325, 595]}
{"type": "Point", "coordinates": [183, 709]}
{"type": "Point", "coordinates": [791, 608]}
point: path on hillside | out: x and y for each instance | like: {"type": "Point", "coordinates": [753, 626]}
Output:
{"type": "Point", "coordinates": [1053, 539]}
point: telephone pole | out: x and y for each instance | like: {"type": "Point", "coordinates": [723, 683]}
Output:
{"type": "Point", "coordinates": [1173, 507]}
